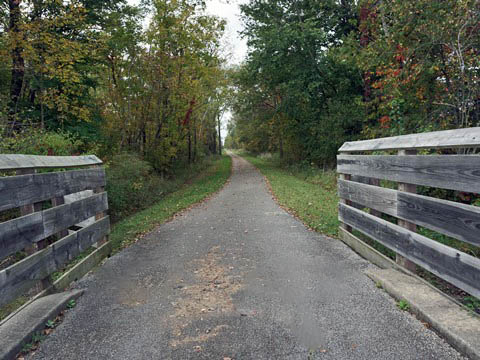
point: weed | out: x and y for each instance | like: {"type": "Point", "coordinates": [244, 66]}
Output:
{"type": "Point", "coordinates": [472, 303]}
{"type": "Point", "coordinates": [50, 324]}
{"type": "Point", "coordinates": [379, 285]}
{"type": "Point", "coordinates": [403, 305]}
{"type": "Point", "coordinates": [37, 338]}
{"type": "Point", "coordinates": [71, 304]}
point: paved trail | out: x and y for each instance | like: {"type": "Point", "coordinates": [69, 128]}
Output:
{"type": "Point", "coordinates": [237, 277]}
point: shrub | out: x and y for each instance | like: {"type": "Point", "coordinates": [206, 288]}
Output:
{"type": "Point", "coordinates": [131, 184]}
{"type": "Point", "coordinates": [41, 142]}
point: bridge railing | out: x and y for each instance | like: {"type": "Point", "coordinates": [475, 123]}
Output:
{"type": "Point", "coordinates": [47, 218]}
{"type": "Point", "coordinates": [377, 189]}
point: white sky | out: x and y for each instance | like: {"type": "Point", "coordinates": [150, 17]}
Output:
{"type": "Point", "coordinates": [235, 46]}
{"type": "Point", "coordinates": [230, 11]}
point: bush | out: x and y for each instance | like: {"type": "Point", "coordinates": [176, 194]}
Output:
{"type": "Point", "coordinates": [132, 185]}
{"type": "Point", "coordinates": [41, 142]}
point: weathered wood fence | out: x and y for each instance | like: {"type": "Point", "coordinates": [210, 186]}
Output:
{"type": "Point", "coordinates": [362, 164]}
{"type": "Point", "coordinates": [52, 218]}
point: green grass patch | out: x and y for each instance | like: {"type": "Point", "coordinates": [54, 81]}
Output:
{"type": "Point", "coordinates": [309, 193]}
{"type": "Point", "coordinates": [12, 306]}
{"type": "Point", "coordinates": [208, 182]}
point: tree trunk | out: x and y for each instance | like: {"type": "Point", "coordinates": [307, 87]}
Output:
{"type": "Point", "coordinates": [280, 145]}
{"type": "Point", "coordinates": [219, 135]}
{"type": "Point", "coordinates": [189, 145]}
{"type": "Point", "coordinates": [18, 63]}
{"type": "Point", "coordinates": [194, 140]}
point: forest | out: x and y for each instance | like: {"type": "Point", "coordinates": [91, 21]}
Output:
{"type": "Point", "coordinates": [145, 86]}
{"type": "Point", "coordinates": [141, 86]}
{"type": "Point", "coordinates": [319, 73]}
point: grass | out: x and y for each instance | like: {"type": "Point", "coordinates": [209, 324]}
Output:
{"type": "Point", "coordinates": [309, 193]}
{"type": "Point", "coordinates": [128, 230]}
{"type": "Point", "coordinates": [211, 180]}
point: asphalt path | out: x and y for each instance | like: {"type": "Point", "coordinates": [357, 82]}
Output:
{"type": "Point", "coordinates": [237, 277]}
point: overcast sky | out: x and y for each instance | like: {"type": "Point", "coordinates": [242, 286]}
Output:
{"type": "Point", "coordinates": [230, 11]}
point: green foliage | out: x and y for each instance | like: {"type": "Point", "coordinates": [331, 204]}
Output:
{"type": "Point", "coordinates": [472, 303]}
{"type": "Point", "coordinates": [37, 338]}
{"type": "Point", "coordinates": [71, 304]}
{"type": "Point", "coordinates": [133, 185]}
{"type": "Point", "coordinates": [295, 96]}
{"type": "Point", "coordinates": [41, 142]}
{"type": "Point", "coordinates": [50, 324]}
{"type": "Point", "coordinates": [210, 180]}
{"type": "Point", "coordinates": [403, 305]}
{"type": "Point", "coordinates": [420, 65]}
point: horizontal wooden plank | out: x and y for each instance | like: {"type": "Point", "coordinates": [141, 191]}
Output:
{"type": "Point", "coordinates": [457, 220]}
{"type": "Point", "coordinates": [469, 137]}
{"type": "Point", "coordinates": [18, 233]}
{"type": "Point", "coordinates": [373, 197]}
{"type": "Point", "coordinates": [455, 172]}
{"type": "Point", "coordinates": [456, 267]}
{"type": "Point", "coordinates": [18, 161]}
{"type": "Point", "coordinates": [16, 191]}
{"type": "Point", "coordinates": [22, 276]}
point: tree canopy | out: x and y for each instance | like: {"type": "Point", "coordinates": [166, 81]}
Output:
{"type": "Point", "coordinates": [319, 73]}
{"type": "Point", "coordinates": [93, 69]}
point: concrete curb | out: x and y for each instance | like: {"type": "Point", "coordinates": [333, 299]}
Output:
{"type": "Point", "coordinates": [19, 329]}
{"type": "Point", "coordinates": [459, 328]}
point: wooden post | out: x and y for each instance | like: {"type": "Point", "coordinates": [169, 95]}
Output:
{"type": "Point", "coordinates": [33, 248]}
{"type": "Point", "coordinates": [375, 182]}
{"type": "Point", "coordinates": [346, 202]}
{"type": "Point", "coordinates": [402, 261]}
{"type": "Point", "coordinates": [98, 217]}
{"type": "Point", "coordinates": [29, 209]}
{"type": "Point", "coordinates": [57, 201]}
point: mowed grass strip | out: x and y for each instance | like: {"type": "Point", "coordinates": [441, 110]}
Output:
{"type": "Point", "coordinates": [208, 182]}
{"type": "Point", "coordinates": [311, 196]}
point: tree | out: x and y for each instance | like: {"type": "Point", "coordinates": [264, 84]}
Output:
{"type": "Point", "coordinates": [423, 65]}
{"type": "Point", "coordinates": [301, 88]}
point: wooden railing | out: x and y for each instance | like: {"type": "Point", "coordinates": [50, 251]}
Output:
{"type": "Point", "coordinates": [363, 203]}
{"type": "Point", "coordinates": [51, 217]}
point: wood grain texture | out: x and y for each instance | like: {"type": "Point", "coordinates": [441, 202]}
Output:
{"type": "Point", "coordinates": [453, 219]}
{"type": "Point", "coordinates": [17, 161]}
{"type": "Point", "coordinates": [469, 137]}
{"type": "Point", "coordinates": [455, 172]}
{"type": "Point", "coordinates": [23, 275]}
{"type": "Point", "coordinates": [16, 191]}
{"type": "Point", "coordinates": [18, 233]}
{"type": "Point", "coordinates": [454, 266]}
{"type": "Point", "coordinates": [373, 197]}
